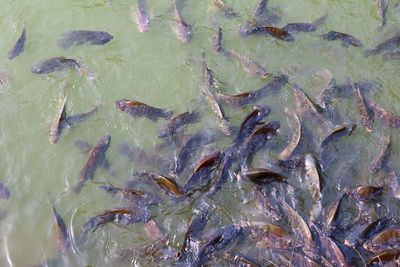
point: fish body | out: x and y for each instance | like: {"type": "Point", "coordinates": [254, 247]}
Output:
{"type": "Point", "coordinates": [276, 32]}
{"type": "Point", "coordinates": [260, 8]}
{"type": "Point", "coordinates": [96, 156]}
{"type": "Point", "coordinates": [346, 39]}
{"type": "Point", "coordinates": [388, 45]}
{"type": "Point", "coordinates": [139, 109]}
{"type": "Point", "coordinates": [55, 64]}
{"type": "Point", "coordinates": [141, 16]}
{"type": "Point", "coordinates": [138, 197]}
{"type": "Point", "coordinates": [299, 27]}
{"type": "Point", "coordinates": [73, 120]}
{"type": "Point", "coordinates": [382, 6]}
{"type": "Point", "coordinates": [338, 132]}
{"type": "Point", "coordinates": [19, 46]}
{"type": "Point", "coordinates": [275, 85]}
{"type": "Point", "coordinates": [294, 142]}
{"type": "Point", "coordinates": [382, 157]}
{"type": "Point", "coordinates": [4, 192]}
{"type": "Point", "coordinates": [264, 176]}
{"type": "Point", "coordinates": [60, 229]}
{"type": "Point", "coordinates": [388, 118]}
{"type": "Point", "coordinates": [366, 118]}
{"type": "Point", "coordinates": [57, 125]}
{"type": "Point", "coordinates": [249, 65]}
{"type": "Point", "coordinates": [79, 37]}
{"type": "Point", "coordinates": [207, 74]}
{"type": "Point", "coordinates": [216, 43]}
{"type": "Point", "coordinates": [312, 179]}
{"type": "Point", "coordinates": [182, 30]}
{"type": "Point", "coordinates": [177, 123]}
{"type": "Point", "coordinates": [236, 100]}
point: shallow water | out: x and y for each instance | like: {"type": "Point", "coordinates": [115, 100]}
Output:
{"type": "Point", "coordinates": [155, 68]}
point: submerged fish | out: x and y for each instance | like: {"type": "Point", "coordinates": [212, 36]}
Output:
{"type": "Point", "coordinates": [95, 158]}
{"type": "Point", "coordinates": [207, 74]}
{"type": "Point", "coordinates": [294, 142]}
{"type": "Point", "coordinates": [139, 198]}
{"type": "Point", "coordinates": [346, 39]}
{"type": "Point", "coordinates": [176, 124]}
{"type": "Point", "coordinates": [249, 65]}
{"type": "Point", "coordinates": [387, 239]}
{"type": "Point", "coordinates": [139, 109]}
{"type": "Point", "coordinates": [382, 157]}
{"type": "Point", "coordinates": [276, 32]}
{"type": "Point", "coordinates": [57, 125]}
{"type": "Point", "coordinates": [313, 181]}
{"type": "Point", "coordinates": [141, 16]}
{"type": "Point", "coordinates": [169, 185]}
{"type": "Point", "coordinates": [78, 37]}
{"type": "Point", "coordinates": [227, 12]}
{"type": "Point", "coordinates": [19, 46]}
{"type": "Point", "coordinates": [60, 229]}
{"type": "Point", "coordinates": [303, 26]}
{"type": "Point", "coordinates": [4, 192]}
{"type": "Point", "coordinates": [382, 6]}
{"type": "Point", "coordinates": [366, 118]}
{"type": "Point", "coordinates": [182, 30]}
{"type": "Point", "coordinates": [236, 100]}
{"type": "Point", "coordinates": [217, 40]}
{"type": "Point", "coordinates": [388, 118]}
{"type": "Point", "coordinates": [338, 132]}
{"type": "Point", "coordinates": [388, 45]}
{"type": "Point", "coordinates": [56, 64]}
{"type": "Point", "coordinates": [85, 147]}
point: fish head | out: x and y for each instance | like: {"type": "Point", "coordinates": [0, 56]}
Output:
{"type": "Point", "coordinates": [103, 38]}
{"type": "Point", "coordinates": [104, 140]}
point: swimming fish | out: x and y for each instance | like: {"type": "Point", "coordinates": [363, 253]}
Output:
{"type": "Point", "coordinates": [141, 16]}
{"type": "Point", "coordinates": [346, 39]}
{"type": "Point", "coordinates": [182, 30]}
{"type": "Point", "coordinates": [19, 46]}
{"type": "Point", "coordinates": [249, 65]}
{"type": "Point", "coordinates": [179, 121]}
{"type": "Point", "coordinates": [139, 109]}
{"type": "Point", "coordinates": [60, 229]}
{"type": "Point", "coordinates": [79, 37]}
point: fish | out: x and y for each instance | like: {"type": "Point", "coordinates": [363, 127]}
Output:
{"type": "Point", "coordinates": [277, 33]}
{"type": "Point", "coordinates": [328, 90]}
{"type": "Point", "coordinates": [382, 6]}
{"type": "Point", "coordinates": [58, 122]}
{"type": "Point", "coordinates": [249, 65]}
{"type": "Point", "coordinates": [223, 123]}
{"type": "Point", "coordinates": [85, 147]}
{"type": "Point", "coordinates": [139, 109]}
{"type": "Point", "coordinates": [267, 203]}
{"type": "Point", "coordinates": [73, 120]}
{"type": "Point", "coordinates": [346, 39]}
{"type": "Point", "coordinates": [222, 174]}
{"type": "Point", "coordinates": [366, 193]}
{"type": "Point", "coordinates": [304, 26]}
{"type": "Point", "coordinates": [392, 179]}
{"type": "Point", "coordinates": [208, 79]}
{"type": "Point", "coordinates": [250, 121]}
{"type": "Point", "coordinates": [313, 181]}
{"type": "Point", "coordinates": [178, 122]}
{"type": "Point", "coordinates": [19, 46]}
{"type": "Point", "coordinates": [216, 42]}
{"type": "Point", "coordinates": [201, 177]}
{"type": "Point", "coordinates": [169, 185]}
{"type": "Point", "coordinates": [263, 176]}
{"type": "Point", "coordinates": [139, 198]}
{"type": "Point", "coordinates": [275, 85]}
{"type": "Point", "coordinates": [270, 236]}
{"type": "Point", "coordinates": [141, 17]}
{"type": "Point", "coordinates": [226, 12]}
{"type": "Point", "coordinates": [182, 30]}
{"type": "Point", "coordinates": [388, 118]}
{"type": "Point", "coordinates": [199, 139]}
{"type": "Point", "coordinates": [365, 116]}
{"type": "Point", "coordinates": [4, 192]}
{"type": "Point", "coordinates": [121, 216]}
{"type": "Point", "coordinates": [387, 239]}
{"type": "Point", "coordinates": [338, 132]}
{"type": "Point", "coordinates": [387, 256]}
{"type": "Point", "coordinates": [237, 100]}
{"type": "Point", "coordinates": [96, 156]}
{"type": "Point", "coordinates": [332, 211]}
{"type": "Point", "coordinates": [79, 37]}
{"type": "Point", "coordinates": [239, 260]}
{"type": "Point", "coordinates": [299, 225]}
{"type": "Point", "coordinates": [60, 229]}
{"type": "Point", "coordinates": [388, 45]}
{"type": "Point", "coordinates": [56, 64]}
{"type": "Point", "coordinates": [382, 157]}
{"type": "Point", "coordinates": [294, 142]}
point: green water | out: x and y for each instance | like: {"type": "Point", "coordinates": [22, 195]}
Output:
{"type": "Point", "coordinates": [155, 68]}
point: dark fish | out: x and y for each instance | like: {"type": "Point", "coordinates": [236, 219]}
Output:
{"type": "Point", "coordinates": [236, 100]}
{"type": "Point", "coordinates": [387, 256]}
{"type": "Point", "coordinates": [154, 232]}
{"type": "Point", "coordinates": [294, 142]}
{"type": "Point", "coordinates": [139, 109]}
{"type": "Point", "coordinates": [188, 149]}
{"type": "Point", "coordinates": [250, 121]}
{"type": "Point", "coordinates": [388, 118]}
{"type": "Point", "coordinates": [382, 157]}
{"type": "Point", "coordinates": [387, 239]}
{"type": "Point", "coordinates": [217, 40]}
{"type": "Point", "coordinates": [268, 204]}
{"type": "Point", "coordinates": [264, 176]}
{"type": "Point", "coordinates": [139, 198]}
{"type": "Point", "coordinates": [182, 30]}
{"type": "Point", "coordinates": [299, 27]}
{"type": "Point", "coordinates": [121, 216]}
{"type": "Point", "coordinates": [60, 229]}
{"type": "Point", "coordinates": [388, 45]}
{"type": "Point", "coordinates": [366, 193]}
{"type": "Point", "coordinates": [366, 118]}
{"type": "Point", "coordinates": [85, 147]}
{"type": "Point", "coordinates": [223, 122]}
{"type": "Point", "coordinates": [249, 65]}
{"type": "Point", "coordinates": [4, 192]}
{"type": "Point", "coordinates": [346, 39]}
{"type": "Point", "coordinates": [56, 64]}
{"type": "Point", "coordinates": [57, 125]}
{"type": "Point", "coordinates": [96, 156]}
{"type": "Point", "coordinates": [18, 47]}
{"type": "Point", "coordinates": [239, 260]}
{"type": "Point", "coordinates": [260, 8]}
{"type": "Point", "coordinates": [328, 91]}
{"type": "Point", "coordinates": [276, 32]}
{"type": "Point", "coordinates": [73, 120]}
{"type": "Point", "coordinates": [169, 185]}
{"type": "Point", "coordinates": [201, 173]}
{"type": "Point", "coordinates": [270, 236]}
{"type": "Point", "coordinates": [78, 37]}
{"type": "Point", "coordinates": [222, 174]}
{"type": "Point", "coordinates": [227, 12]}
{"type": "Point", "coordinates": [392, 179]}
{"type": "Point", "coordinates": [313, 181]}
{"type": "Point", "coordinates": [175, 125]}
{"type": "Point", "coordinates": [338, 132]}
{"type": "Point", "coordinates": [276, 84]}
{"type": "Point", "coordinates": [207, 74]}
{"type": "Point", "coordinates": [141, 16]}
{"type": "Point", "coordinates": [382, 6]}
{"type": "Point", "coordinates": [332, 211]}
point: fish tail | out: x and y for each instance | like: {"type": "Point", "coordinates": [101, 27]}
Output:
{"type": "Point", "coordinates": [64, 42]}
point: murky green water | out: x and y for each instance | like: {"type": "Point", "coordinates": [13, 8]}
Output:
{"type": "Point", "coordinates": [155, 68]}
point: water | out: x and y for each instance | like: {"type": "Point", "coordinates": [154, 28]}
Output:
{"type": "Point", "coordinates": [155, 68]}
